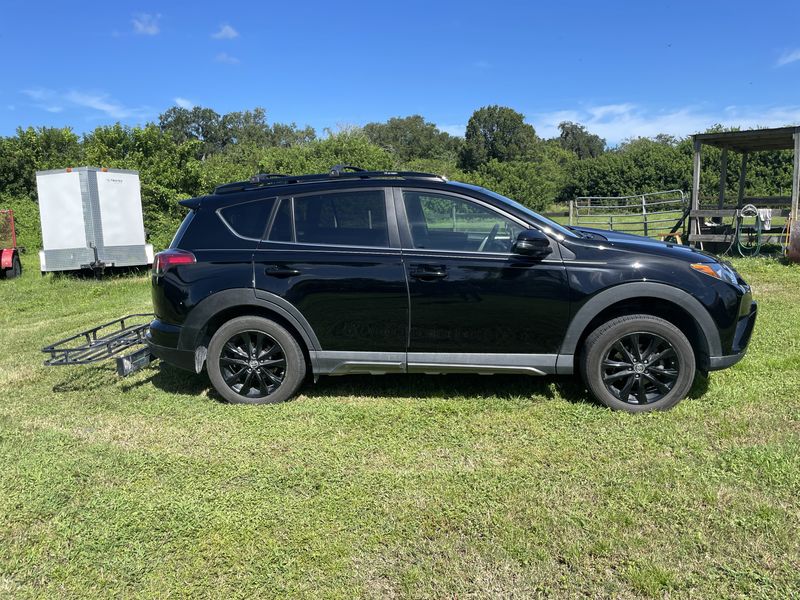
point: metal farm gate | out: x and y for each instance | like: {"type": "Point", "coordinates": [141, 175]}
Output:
{"type": "Point", "coordinates": [655, 214]}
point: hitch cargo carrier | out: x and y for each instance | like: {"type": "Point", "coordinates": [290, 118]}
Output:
{"type": "Point", "coordinates": [108, 340]}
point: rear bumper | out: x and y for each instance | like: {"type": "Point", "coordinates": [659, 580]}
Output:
{"type": "Point", "coordinates": [162, 339]}
{"type": "Point", "coordinates": [741, 338]}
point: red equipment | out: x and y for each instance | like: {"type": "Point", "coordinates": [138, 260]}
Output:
{"type": "Point", "coordinates": [10, 265]}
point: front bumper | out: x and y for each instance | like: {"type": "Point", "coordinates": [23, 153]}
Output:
{"type": "Point", "coordinates": [741, 338]}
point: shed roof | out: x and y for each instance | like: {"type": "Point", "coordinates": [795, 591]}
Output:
{"type": "Point", "coordinates": [752, 140]}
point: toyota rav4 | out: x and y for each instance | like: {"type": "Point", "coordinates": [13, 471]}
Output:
{"type": "Point", "coordinates": [280, 278]}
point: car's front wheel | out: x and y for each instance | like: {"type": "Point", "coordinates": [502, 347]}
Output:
{"type": "Point", "coordinates": [252, 360]}
{"type": "Point", "coordinates": [638, 363]}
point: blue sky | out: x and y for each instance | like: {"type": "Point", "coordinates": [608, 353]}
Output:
{"type": "Point", "coordinates": [622, 68]}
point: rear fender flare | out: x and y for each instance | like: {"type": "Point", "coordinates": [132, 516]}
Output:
{"type": "Point", "coordinates": [190, 338]}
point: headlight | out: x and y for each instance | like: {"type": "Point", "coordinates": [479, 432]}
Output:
{"type": "Point", "coordinates": [718, 271]}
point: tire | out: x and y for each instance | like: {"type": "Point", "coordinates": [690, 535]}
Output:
{"type": "Point", "coordinates": [638, 363]}
{"type": "Point", "coordinates": [16, 268]}
{"type": "Point", "coordinates": [274, 377]}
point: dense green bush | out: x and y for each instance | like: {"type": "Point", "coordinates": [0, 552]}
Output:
{"type": "Point", "coordinates": [191, 151]}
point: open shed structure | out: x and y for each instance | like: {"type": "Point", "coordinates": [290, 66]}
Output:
{"type": "Point", "coordinates": [744, 142]}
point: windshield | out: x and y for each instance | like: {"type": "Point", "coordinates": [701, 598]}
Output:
{"type": "Point", "coordinates": [554, 227]}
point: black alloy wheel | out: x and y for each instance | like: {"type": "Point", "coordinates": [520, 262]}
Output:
{"type": "Point", "coordinates": [253, 364]}
{"type": "Point", "coordinates": [640, 368]}
{"type": "Point", "coordinates": [638, 363]}
{"type": "Point", "coordinates": [253, 360]}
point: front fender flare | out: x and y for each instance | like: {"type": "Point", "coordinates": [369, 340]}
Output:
{"type": "Point", "coordinates": [626, 291]}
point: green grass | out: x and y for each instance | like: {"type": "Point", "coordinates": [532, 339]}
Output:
{"type": "Point", "coordinates": [390, 486]}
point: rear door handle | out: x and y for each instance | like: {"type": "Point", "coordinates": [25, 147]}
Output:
{"type": "Point", "coordinates": [429, 272]}
{"type": "Point", "coordinates": [277, 271]}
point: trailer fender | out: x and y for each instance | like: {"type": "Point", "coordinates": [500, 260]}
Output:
{"type": "Point", "coordinates": [7, 259]}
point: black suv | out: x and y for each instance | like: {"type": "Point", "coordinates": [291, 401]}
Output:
{"type": "Point", "coordinates": [274, 279]}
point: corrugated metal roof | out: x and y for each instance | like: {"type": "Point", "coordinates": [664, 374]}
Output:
{"type": "Point", "coordinates": [753, 140]}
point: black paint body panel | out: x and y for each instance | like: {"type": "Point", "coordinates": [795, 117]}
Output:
{"type": "Point", "coordinates": [362, 299]}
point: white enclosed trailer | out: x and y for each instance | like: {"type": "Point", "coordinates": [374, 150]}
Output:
{"type": "Point", "coordinates": [91, 219]}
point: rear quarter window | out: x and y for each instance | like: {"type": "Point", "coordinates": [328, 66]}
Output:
{"type": "Point", "coordinates": [248, 219]}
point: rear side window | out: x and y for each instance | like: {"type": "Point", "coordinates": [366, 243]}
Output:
{"type": "Point", "coordinates": [282, 226]}
{"type": "Point", "coordinates": [248, 219]}
{"type": "Point", "coordinates": [176, 239]}
{"type": "Point", "coordinates": [355, 218]}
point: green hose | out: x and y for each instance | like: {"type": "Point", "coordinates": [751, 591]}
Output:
{"type": "Point", "coordinates": [743, 249]}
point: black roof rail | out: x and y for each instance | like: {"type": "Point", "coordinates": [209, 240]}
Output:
{"type": "Point", "coordinates": [336, 172]}
{"type": "Point", "coordinates": [265, 177]}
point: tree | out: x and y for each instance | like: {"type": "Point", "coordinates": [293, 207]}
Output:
{"type": "Point", "coordinates": [575, 138]}
{"type": "Point", "coordinates": [535, 183]}
{"type": "Point", "coordinates": [202, 124]}
{"type": "Point", "coordinates": [34, 150]}
{"type": "Point", "coordinates": [635, 167]}
{"type": "Point", "coordinates": [411, 138]}
{"type": "Point", "coordinates": [351, 147]}
{"type": "Point", "coordinates": [251, 127]}
{"type": "Point", "coordinates": [496, 132]}
{"type": "Point", "coordinates": [216, 132]}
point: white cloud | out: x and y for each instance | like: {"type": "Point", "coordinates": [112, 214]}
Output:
{"type": "Point", "coordinates": [457, 130]}
{"type": "Point", "coordinates": [224, 57]}
{"type": "Point", "coordinates": [617, 122]}
{"type": "Point", "coordinates": [103, 103]}
{"type": "Point", "coordinates": [787, 57]}
{"type": "Point", "coordinates": [38, 94]}
{"type": "Point", "coordinates": [184, 102]}
{"type": "Point", "coordinates": [146, 24]}
{"type": "Point", "coordinates": [44, 99]}
{"type": "Point", "coordinates": [55, 101]}
{"type": "Point", "coordinates": [226, 32]}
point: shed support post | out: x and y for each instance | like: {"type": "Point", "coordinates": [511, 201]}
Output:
{"type": "Point", "coordinates": [695, 228]}
{"type": "Point", "coordinates": [793, 249]}
{"type": "Point", "coordinates": [723, 178]}
{"type": "Point", "coordinates": [796, 179]}
{"type": "Point", "coordinates": [742, 180]}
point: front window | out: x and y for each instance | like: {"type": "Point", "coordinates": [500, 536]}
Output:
{"type": "Point", "coordinates": [443, 222]}
{"type": "Point", "coordinates": [549, 226]}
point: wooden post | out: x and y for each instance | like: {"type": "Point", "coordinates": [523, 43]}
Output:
{"type": "Point", "coordinates": [723, 176]}
{"type": "Point", "coordinates": [571, 212]}
{"type": "Point", "coordinates": [793, 249]}
{"type": "Point", "coordinates": [742, 180]}
{"type": "Point", "coordinates": [723, 179]}
{"type": "Point", "coordinates": [695, 227]}
{"type": "Point", "coordinates": [644, 215]}
{"type": "Point", "coordinates": [796, 178]}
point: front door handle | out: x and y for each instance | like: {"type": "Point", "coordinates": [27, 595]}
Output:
{"type": "Point", "coordinates": [429, 272]}
{"type": "Point", "coordinates": [281, 272]}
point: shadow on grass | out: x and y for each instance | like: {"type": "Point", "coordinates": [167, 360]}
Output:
{"type": "Point", "coordinates": [107, 273]}
{"type": "Point", "coordinates": [506, 387]}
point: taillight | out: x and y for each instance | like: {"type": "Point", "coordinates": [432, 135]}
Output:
{"type": "Point", "coordinates": [167, 259]}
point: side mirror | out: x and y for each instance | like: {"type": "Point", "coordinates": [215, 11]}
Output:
{"type": "Point", "coordinates": [533, 243]}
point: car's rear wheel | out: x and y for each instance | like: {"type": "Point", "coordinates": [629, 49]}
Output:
{"type": "Point", "coordinates": [252, 360]}
{"type": "Point", "coordinates": [638, 363]}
